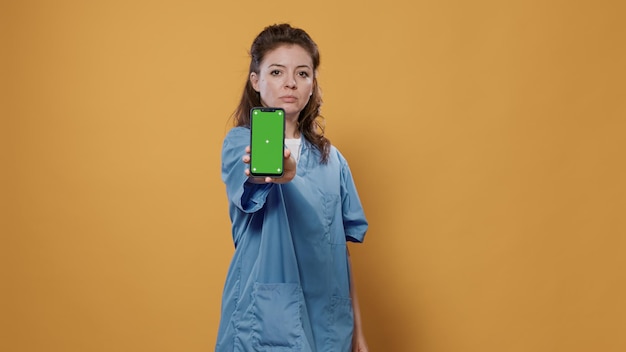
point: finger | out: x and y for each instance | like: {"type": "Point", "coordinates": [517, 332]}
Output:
{"type": "Point", "coordinates": [287, 153]}
{"type": "Point", "coordinates": [248, 149]}
{"type": "Point", "coordinates": [246, 159]}
{"type": "Point", "coordinates": [247, 172]}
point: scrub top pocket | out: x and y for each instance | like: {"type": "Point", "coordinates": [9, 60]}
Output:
{"type": "Point", "coordinates": [330, 206]}
{"type": "Point", "coordinates": [276, 314]}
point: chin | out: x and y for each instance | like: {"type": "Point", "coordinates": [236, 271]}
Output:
{"type": "Point", "coordinates": [291, 110]}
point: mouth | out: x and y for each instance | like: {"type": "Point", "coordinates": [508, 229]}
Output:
{"type": "Point", "coordinates": [288, 98]}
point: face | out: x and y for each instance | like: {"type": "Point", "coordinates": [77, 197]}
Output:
{"type": "Point", "coordinates": [285, 79]}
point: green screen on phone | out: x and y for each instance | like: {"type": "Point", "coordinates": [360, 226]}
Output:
{"type": "Point", "coordinates": [267, 140]}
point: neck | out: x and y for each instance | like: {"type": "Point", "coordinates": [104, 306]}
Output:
{"type": "Point", "coordinates": [291, 129]}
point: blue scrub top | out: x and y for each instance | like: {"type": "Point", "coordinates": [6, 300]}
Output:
{"type": "Point", "coordinates": [288, 285]}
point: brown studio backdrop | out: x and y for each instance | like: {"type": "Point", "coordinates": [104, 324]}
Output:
{"type": "Point", "coordinates": [486, 139]}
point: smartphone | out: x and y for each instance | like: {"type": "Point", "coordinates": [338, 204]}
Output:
{"type": "Point", "coordinates": [267, 141]}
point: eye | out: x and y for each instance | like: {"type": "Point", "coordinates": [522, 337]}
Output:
{"type": "Point", "coordinates": [275, 72]}
{"type": "Point", "coordinates": [303, 74]}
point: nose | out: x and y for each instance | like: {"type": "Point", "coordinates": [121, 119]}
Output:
{"type": "Point", "coordinates": [291, 82]}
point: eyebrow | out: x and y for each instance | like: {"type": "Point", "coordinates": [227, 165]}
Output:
{"type": "Point", "coordinates": [283, 66]}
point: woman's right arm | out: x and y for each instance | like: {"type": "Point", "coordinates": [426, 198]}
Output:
{"type": "Point", "coordinates": [245, 192]}
{"type": "Point", "coordinates": [244, 195]}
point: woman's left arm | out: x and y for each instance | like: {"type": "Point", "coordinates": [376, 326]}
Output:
{"type": "Point", "coordinates": [358, 337]}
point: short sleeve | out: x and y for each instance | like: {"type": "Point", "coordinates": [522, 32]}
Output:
{"type": "Point", "coordinates": [354, 221]}
{"type": "Point", "coordinates": [246, 196]}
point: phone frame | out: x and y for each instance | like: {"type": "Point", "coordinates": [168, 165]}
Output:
{"type": "Point", "coordinates": [252, 132]}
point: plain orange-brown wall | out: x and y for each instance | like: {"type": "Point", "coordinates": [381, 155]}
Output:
{"type": "Point", "coordinates": [487, 139]}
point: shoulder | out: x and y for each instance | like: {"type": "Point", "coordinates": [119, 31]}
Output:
{"type": "Point", "coordinates": [336, 154]}
{"type": "Point", "coordinates": [237, 132]}
{"type": "Point", "coordinates": [235, 141]}
{"type": "Point", "coordinates": [237, 135]}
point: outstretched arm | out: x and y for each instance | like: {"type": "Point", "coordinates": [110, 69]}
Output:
{"type": "Point", "coordinates": [358, 337]}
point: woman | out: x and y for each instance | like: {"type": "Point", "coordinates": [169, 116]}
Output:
{"type": "Point", "coordinates": [288, 287]}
